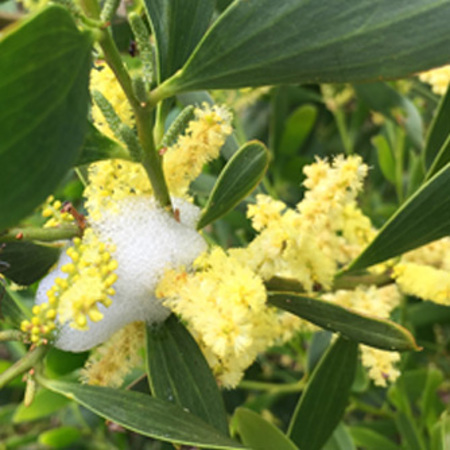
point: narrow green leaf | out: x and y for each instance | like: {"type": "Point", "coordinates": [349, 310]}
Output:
{"type": "Point", "coordinates": [423, 218]}
{"type": "Point", "coordinates": [442, 158]}
{"type": "Point", "coordinates": [340, 440]}
{"type": "Point", "coordinates": [379, 333]}
{"type": "Point", "coordinates": [267, 42]}
{"type": "Point", "coordinates": [426, 313]}
{"type": "Point", "coordinates": [408, 431]}
{"type": "Point", "coordinates": [389, 102]}
{"type": "Point", "coordinates": [179, 373]}
{"type": "Point", "coordinates": [439, 131]}
{"type": "Point", "coordinates": [45, 403]}
{"type": "Point", "coordinates": [371, 440]}
{"type": "Point", "coordinates": [143, 414]}
{"type": "Point", "coordinates": [178, 26]}
{"type": "Point", "coordinates": [385, 157]}
{"type": "Point", "coordinates": [323, 402]}
{"type": "Point", "coordinates": [61, 437]}
{"type": "Point", "coordinates": [297, 128]}
{"type": "Point", "coordinates": [45, 65]}
{"type": "Point", "coordinates": [239, 177]}
{"type": "Point", "coordinates": [97, 146]}
{"type": "Point", "coordinates": [258, 434]}
{"type": "Point", "coordinates": [430, 405]}
{"type": "Point", "coordinates": [27, 262]}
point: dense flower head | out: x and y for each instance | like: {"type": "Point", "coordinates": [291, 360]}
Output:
{"type": "Point", "coordinates": [199, 144]}
{"type": "Point", "coordinates": [326, 230]}
{"type": "Point", "coordinates": [425, 272]}
{"type": "Point", "coordinates": [224, 304]}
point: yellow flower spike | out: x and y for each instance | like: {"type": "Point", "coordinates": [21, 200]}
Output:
{"type": "Point", "coordinates": [35, 310]}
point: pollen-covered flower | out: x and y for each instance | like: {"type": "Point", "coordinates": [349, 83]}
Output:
{"type": "Point", "coordinates": [201, 143]}
{"type": "Point", "coordinates": [224, 304]}
{"type": "Point", "coordinates": [327, 229]}
{"type": "Point", "coordinates": [425, 272]}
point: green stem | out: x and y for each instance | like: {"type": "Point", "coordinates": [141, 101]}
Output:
{"type": "Point", "coordinates": [40, 234]}
{"type": "Point", "coordinates": [11, 335]}
{"type": "Point", "coordinates": [273, 388]}
{"type": "Point", "coordinates": [151, 160]}
{"type": "Point", "coordinates": [339, 117]}
{"type": "Point", "coordinates": [24, 364]}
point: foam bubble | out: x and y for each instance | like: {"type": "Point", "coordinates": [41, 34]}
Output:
{"type": "Point", "coordinates": [148, 240]}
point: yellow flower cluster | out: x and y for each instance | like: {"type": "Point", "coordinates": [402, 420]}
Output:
{"type": "Point", "coordinates": [327, 229]}
{"type": "Point", "coordinates": [104, 80]}
{"type": "Point", "coordinates": [376, 302]}
{"type": "Point", "coordinates": [113, 180]}
{"type": "Point", "coordinates": [110, 362]}
{"type": "Point", "coordinates": [439, 79]}
{"type": "Point", "coordinates": [75, 298]}
{"type": "Point", "coordinates": [224, 305]}
{"type": "Point", "coordinates": [201, 143]}
{"type": "Point", "coordinates": [425, 272]}
{"type": "Point", "coordinates": [41, 326]}
{"type": "Point", "coordinates": [52, 211]}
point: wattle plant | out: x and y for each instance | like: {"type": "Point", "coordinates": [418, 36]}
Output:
{"type": "Point", "coordinates": [174, 203]}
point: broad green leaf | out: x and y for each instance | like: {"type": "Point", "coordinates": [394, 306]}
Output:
{"type": "Point", "coordinates": [146, 415]}
{"type": "Point", "coordinates": [438, 132]}
{"type": "Point", "coordinates": [323, 402]}
{"type": "Point", "coordinates": [385, 157]}
{"type": "Point", "coordinates": [423, 218]}
{"type": "Point", "coordinates": [340, 440]}
{"type": "Point", "coordinates": [45, 65]}
{"type": "Point", "coordinates": [45, 403]}
{"type": "Point", "coordinates": [265, 42]}
{"type": "Point", "coordinates": [258, 434]}
{"type": "Point", "coordinates": [61, 437]}
{"type": "Point", "coordinates": [385, 99]}
{"type": "Point", "coordinates": [379, 333]}
{"type": "Point", "coordinates": [238, 178]}
{"type": "Point", "coordinates": [27, 262]}
{"type": "Point", "coordinates": [97, 146]}
{"type": "Point", "coordinates": [179, 373]}
{"type": "Point", "coordinates": [297, 128]}
{"type": "Point", "coordinates": [178, 26]}
{"type": "Point", "coordinates": [371, 440]}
